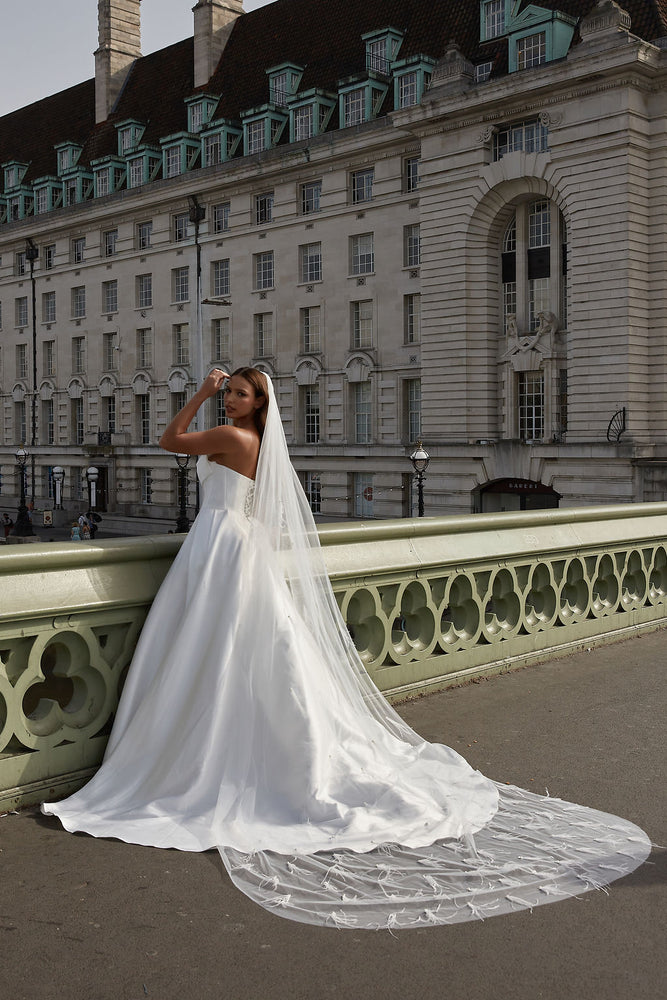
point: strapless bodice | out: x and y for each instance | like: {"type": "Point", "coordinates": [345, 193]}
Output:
{"type": "Point", "coordinates": [223, 488]}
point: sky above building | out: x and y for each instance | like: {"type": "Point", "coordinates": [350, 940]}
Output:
{"type": "Point", "coordinates": [53, 41]}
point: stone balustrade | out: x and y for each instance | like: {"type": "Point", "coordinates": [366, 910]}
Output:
{"type": "Point", "coordinates": [429, 602]}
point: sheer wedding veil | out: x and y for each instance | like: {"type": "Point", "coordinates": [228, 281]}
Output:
{"type": "Point", "coordinates": [534, 850]}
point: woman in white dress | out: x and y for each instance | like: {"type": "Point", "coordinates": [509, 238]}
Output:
{"type": "Point", "coordinates": [248, 724]}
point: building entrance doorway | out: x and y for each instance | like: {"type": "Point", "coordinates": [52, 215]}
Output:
{"type": "Point", "coordinates": [514, 493]}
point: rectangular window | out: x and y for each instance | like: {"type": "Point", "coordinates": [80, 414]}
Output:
{"type": "Point", "coordinates": [264, 270]}
{"type": "Point", "coordinates": [303, 122]}
{"type": "Point", "coordinates": [144, 406]}
{"type": "Point", "coordinates": [146, 485]}
{"type": "Point", "coordinates": [361, 182]}
{"type": "Point", "coordinates": [413, 398]}
{"type": "Point", "coordinates": [48, 307]}
{"type": "Point", "coordinates": [221, 217]}
{"type": "Point", "coordinates": [180, 227]}
{"type": "Point", "coordinates": [49, 256]}
{"type": "Point", "coordinates": [312, 487]}
{"type": "Point", "coordinates": [48, 422]}
{"type": "Point", "coordinates": [509, 303]}
{"type": "Point", "coordinates": [263, 334]}
{"type": "Point", "coordinates": [21, 361]}
{"type": "Point", "coordinates": [408, 92]}
{"type": "Point", "coordinates": [20, 422]}
{"type": "Point", "coordinates": [263, 208]}
{"type": "Point", "coordinates": [483, 71]}
{"type": "Point", "coordinates": [79, 302]}
{"type": "Point", "coordinates": [411, 246]}
{"type": "Point", "coordinates": [220, 283]}
{"type": "Point", "coordinates": [311, 413]}
{"type": "Point", "coordinates": [255, 136]}
{"type": "Point", "coordinates": [539, 297]}
{"type": "Point", "coordinates": [531, 406]}
{"type": "Point", "coordinates": [310, 262]}
{"type": "Point", "coordinates": [48, 358]}
{"type": "Point", "coordinates": [21, 310]}
{"type": "Point", "coordinates": [41, 201]}
{"type": "Point", "coordinates": [310, 330]}
{"type": "Point", "coordinates": [172, 161]}
{"type": "Point", "coordinates": [144, 291]}
{"type": "Point", "coordinates": [78, 355]}
{"type": "Point", "coordinates": [19, 263]}
{"type": "Point", "coordinates": [362, 412]}
{"type": "Point", "coordinates": [78, 250]}
{"type": "Point", "coordinates": [109, 241]}
{"type": "Point", "coordinates": [180, 284]}
{"type": "Point", "coordinates": [362, 324]}
{"type": "Point", "coordinates": [110, 296]}
{"type": "Point", "coordinates": [411, 173]}
{"type": "Point", "coordinates": [178, 401]}
{"type": "Point", "coordinates": [221, 345]}
{"type": "Point", "coordinates": [539, 225]}
{"type": "Point", "coordinates": [411, 318]}
{"type": "Point", "coordinates": [528, 136]}
{"type": "Point", "coordinates": [561, 402]}
{"type": "Point", "coordinates": [531, 50]}
{"type": "Point", "coordinates": [212, 150]}
{"type": "Point", "coordinates": [109, 353]}
{"type": "Point", "coordinates": [111, 414]}
{"type": "Point", "coordinates": [78, 427]}
{"type": "Point", "coordinates": [353, 107]}
{"type": "Point", "coordinates": [71, 192]}
{"type": "Point", "coordinates": [311, 192]}
{"type": "Point", "coordinates": [181, 344]}
{"type": "Point", "coordinates": [494, 18]}
{"type": "Point", "coordinates": [136, 172]}
{"type": "Point", "coordinates": [362, 254]}
{"type": "Point", "coordinates": [144, 348]}
{"type": "Point", "coordinates": [144, 235]}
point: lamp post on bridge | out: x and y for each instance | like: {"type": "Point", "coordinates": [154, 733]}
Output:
{"type": "Point", "coordinates": [420, 459]}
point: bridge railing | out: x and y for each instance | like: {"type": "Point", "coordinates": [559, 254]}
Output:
{"type": "Point", "coordinates": [429, 602]}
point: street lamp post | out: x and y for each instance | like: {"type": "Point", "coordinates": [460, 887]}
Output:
{"type": "Point", "coordinates": [420, 459]}
{"type": "Point", "coordinates": [32, 253]}
{"type": "Point", "coordinates": [58, 477]}
{"type": "Point", "coordinates": [182, 522]}
{"type": "Point", "coordinates": [22, 527]}
{"type": "Point", "coordinates": [92, 475]}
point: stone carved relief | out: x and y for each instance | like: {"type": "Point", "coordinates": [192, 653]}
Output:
{"type": "Point", "coordinates": [528, 350]}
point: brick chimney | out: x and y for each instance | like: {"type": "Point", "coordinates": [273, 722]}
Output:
{"type": "Point", "coordinates": [119, 27]}
{"type": "Point", "coordinates": [214, 20]}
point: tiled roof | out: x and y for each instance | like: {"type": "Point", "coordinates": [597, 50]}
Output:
{"type": "Point", "coordinates": [323, 36]}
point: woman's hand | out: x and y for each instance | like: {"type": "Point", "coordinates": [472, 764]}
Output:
{"type": "Point", "coordinates": [213, 383]}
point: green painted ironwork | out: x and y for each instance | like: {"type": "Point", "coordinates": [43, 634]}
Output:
{"type": "Point", "coordinates": [429, 602]}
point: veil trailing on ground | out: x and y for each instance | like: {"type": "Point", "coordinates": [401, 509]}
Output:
{"type": "Point", "coordinates": [513, 851]}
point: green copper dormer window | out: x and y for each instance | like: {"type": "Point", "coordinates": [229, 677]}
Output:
{"type": "Point", "coordinates": [48, 194]}
{"type": "Point", "coordinates": [411, 79]}
{"type": "Point", "coordinates": [284, 82]}
{"type": "Point", "coordinates": [68, 154]}
{"type": "Point", "coordinates": [360, 101]}
{"type": "Point", "coordinates": [179, 154]}
{"type": "Point", "coordinates": [310, 113]}
{"type": "Point", "coordinates": [219, 142]}
{"type": "Point", "coordinates": [77, 187]}
{"type": "Point", "coordinates": [19, 205]}
{"type": "Point", "coordinates": [130, 133]}
{"type": "Point", "coordinates": [382, 49]}
{"type": "Point", "coordinates": [534, 34]}
{"type": "Point", "coordinates": [200, 111]}
{"type": "Point", "coordinates": [110, 174]}
{"type": "Point", "coordinates": [262, 128]}
{"type": "Point", "coordinates": [14, 174]}
{"type": "Point", "coordinates": [143, 166]}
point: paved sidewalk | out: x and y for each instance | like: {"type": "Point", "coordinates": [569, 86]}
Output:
{"type": "Point", "coordinates": [86, 919]}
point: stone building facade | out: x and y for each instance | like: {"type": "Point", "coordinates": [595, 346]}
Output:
{"type": "Point", "coordinates": [450, 225]}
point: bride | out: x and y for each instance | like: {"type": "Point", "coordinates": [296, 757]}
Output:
{"type": "Point", "coordinates": [248, 724]}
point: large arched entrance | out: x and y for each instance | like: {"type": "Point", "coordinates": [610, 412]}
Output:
{"type": "Point", "coordinates": [514, 493]}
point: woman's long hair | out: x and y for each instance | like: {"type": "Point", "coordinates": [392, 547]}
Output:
{"type": "Point", "coordinates": [257, 380]}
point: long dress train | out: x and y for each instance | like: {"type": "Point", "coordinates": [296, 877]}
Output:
{"type": "Point", "coordinates": [240, 728]}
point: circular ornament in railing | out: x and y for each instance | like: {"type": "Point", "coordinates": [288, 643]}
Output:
{"type": "Point", "coordinates": [460, 615]}
{"type": "Point", "coordinates": [634, 582]}
{"type": "Point", "coordinates": [503, 607]}
{"type": "Point", "coordinates": [575, 593]}
{"type": "Point", "coordinates": [413, 632]}
{"type": "Point", "coordinates": [541, 604]}
{"type": "Point", "coordinates": [606, 587]}
{"type": "Point", "coordinates": [657, 578]}
{"type": "Point", "coordinates": [367, 624]}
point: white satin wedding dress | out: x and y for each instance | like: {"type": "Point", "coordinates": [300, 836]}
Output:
{"type": "Point", "coordinates": [248, 724]}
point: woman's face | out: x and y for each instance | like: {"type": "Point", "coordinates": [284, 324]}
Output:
{"type": "Point", "coordinates": [240, 399]}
